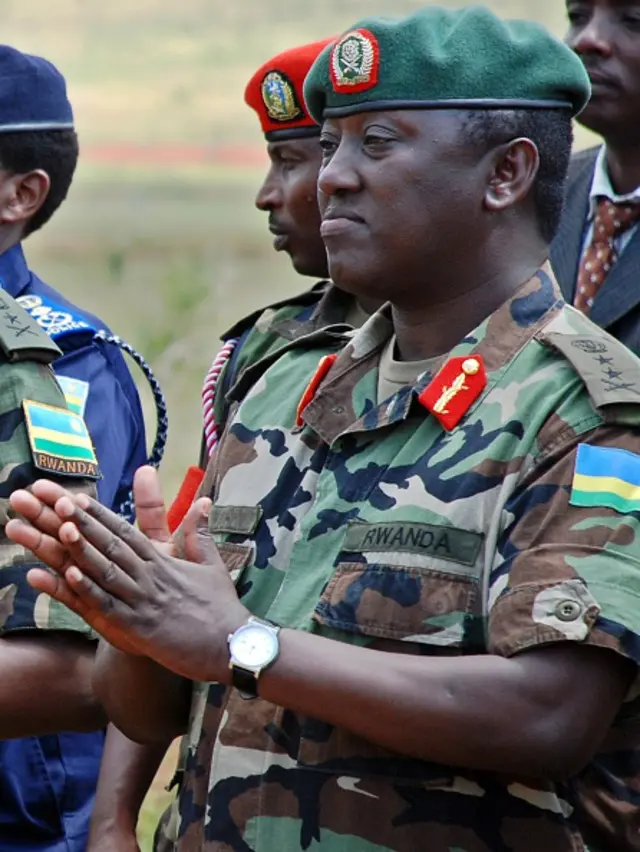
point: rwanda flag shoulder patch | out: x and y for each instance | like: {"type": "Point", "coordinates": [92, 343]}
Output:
{"type": "Point", "coordinates": [60, 441]}
{"type": "Point", "coordinates": [608, 477]}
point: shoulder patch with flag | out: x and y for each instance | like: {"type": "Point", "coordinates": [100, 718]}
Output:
{"type": "Point", "coordinates": [75, 392]}
{"type": "Point", "coordinates": [60, 441]}
{"type": "Point", "coordinates": [606, 476]}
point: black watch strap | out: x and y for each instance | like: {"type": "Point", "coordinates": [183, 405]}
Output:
{"type": "Point", "coordinates": [244, 681]}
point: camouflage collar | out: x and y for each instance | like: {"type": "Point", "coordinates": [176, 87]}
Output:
{"type": "Point", "coordinates": [325, 328]}
{"type": "Point", "coordinates": [334, 337]}
{"type": "Point", "coordinates": [497, 340]}
{"type": "Point", "coordinates": [332, 309]}
{"type": "Point", "coordinates": [304, 299]}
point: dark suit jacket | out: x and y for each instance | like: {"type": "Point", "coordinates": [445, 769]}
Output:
{"type": "Point", "coordinates": [616, 306]}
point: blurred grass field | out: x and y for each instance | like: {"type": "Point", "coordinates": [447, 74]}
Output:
{"type": "Point", "coordinates": [159, 235]}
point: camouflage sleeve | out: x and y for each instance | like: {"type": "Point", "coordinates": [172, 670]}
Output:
{"type": "Point", "coordinates": [21, 607]}
{"type": "Point", "coordinates": [568, 564]}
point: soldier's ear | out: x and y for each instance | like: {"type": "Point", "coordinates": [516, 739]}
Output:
{"type": "Point", "coordinates": [515, 166]}
{"type": "Point", "coordinates": [22, 195]}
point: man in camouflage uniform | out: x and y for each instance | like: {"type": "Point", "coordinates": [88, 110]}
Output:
{"type": "Point", "coordinates": [425, 571]}
{"type": "Point", "coordinates": [46, 652]}
{"type": "Point", "coordinates": [288, 196]}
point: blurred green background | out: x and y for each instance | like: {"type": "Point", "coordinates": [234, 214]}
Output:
{"type": "Point", "coordinates": [159, 235]}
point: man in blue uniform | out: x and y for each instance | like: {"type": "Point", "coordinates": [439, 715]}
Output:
{"type": "Point", "coordinates": [47, 783]}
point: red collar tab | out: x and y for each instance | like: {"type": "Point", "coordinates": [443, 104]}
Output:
{"type": "Point", "coordinates": [454, 389]}
{"type": "Point", "coordinates": [326, 363]}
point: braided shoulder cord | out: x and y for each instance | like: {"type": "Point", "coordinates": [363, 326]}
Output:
{"type": "Point", "coordinates": [126, 508]}
{"type": "Point", "coordinates": [209, 393]}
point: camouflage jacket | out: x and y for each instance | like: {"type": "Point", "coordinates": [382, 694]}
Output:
{"type": "Point", "coordinates": [271, 329]}
{"type": "Point", "coordinates": [25, 374]}
{"type": "Point", "coordinates": [260, 335]}
{"type": "Point", "coordinates": [371, 524]}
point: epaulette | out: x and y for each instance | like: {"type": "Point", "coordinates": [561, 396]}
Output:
{"type": "Point", "coordinates": [302, 300]}
{"type": "Point", "coordinates": [610, 371]}
{"type": "Point", "coordinates": [21, 338]}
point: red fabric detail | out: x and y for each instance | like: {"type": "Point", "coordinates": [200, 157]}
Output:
{"type": "Point", "coordinates": [453, 390]}
{"type": "Point", "coordinates": [294, 64]}
{"type": "Point", "coordinates": [349, 89]}
{"type": "Point", "coordinates": [326, 363]}
{"type": "Point", "coordinates": [185, 497]}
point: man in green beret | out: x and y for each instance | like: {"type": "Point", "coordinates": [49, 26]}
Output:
{"type": "Point", "coordinates": [413, 620]}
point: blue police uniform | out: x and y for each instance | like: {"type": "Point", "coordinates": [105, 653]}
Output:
{"type": "Point", "coordinates": [47, 783]}
{"type": "Point", "coordinates": [47, 787]}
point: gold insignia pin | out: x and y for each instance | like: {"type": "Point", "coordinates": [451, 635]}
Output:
{"type": "Point", "coordinates": [470, 366]}
{"type": "Point", "coordinates": [444, 395]}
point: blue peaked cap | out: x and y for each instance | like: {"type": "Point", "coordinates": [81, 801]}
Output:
{"type": "Point", "coordinates": [33, 94]}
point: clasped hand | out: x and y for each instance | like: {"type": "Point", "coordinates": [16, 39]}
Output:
{"type": "Point", "coordinates": [133, 590]}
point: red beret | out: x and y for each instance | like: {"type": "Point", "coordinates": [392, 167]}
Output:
{"type": "Point", "coordinates": [275, 92]}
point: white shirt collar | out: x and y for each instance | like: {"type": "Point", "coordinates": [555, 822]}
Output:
{"type": "Point", "coordinates": [601, 185]}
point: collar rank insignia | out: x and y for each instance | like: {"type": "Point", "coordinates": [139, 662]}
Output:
{"type": "Point", "coordinates": [279, 97]}
{"type": "Point", "coordinates": [454, 389]}
{"type": "Point", "coordinates": [326, 363]}
{"type": "Point", "coordinates": [354, 62]}
{"type": "Point", "coordinates": [60, 441]}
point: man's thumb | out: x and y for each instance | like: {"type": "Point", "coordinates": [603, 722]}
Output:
{"type": "Point", "coordinates": [150, 510]}
{"type": "Point", "coordinates": [199, 545]}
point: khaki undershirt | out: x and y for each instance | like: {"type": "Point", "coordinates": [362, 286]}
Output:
{"type": "Point", "coordinates": [393, 375]}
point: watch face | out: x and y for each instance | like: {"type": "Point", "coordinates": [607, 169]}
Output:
{"type": "Point", "coordinates": [253, 646]}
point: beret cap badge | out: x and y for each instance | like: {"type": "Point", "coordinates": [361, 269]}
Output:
{"type": "Point", "coordinates": [274, 92]}
{"type": "Point", "coordinates": [354, 62]}
{"type": "Point", "coordinates": [279, 97]}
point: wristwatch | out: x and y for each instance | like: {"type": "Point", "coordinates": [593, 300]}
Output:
{"type": "Point", "coordinates": [252, 647]}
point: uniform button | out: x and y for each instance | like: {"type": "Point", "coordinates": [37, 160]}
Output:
{"type": "Point", "coordinates": [568, 610]}
{"type": "Point", "coordinates": [338, 409]}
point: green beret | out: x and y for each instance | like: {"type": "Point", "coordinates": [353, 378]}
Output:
{"type": "Point", "coordinates": [436, 58]}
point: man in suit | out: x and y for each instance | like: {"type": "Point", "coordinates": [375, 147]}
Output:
{"type": "Point", "coordinates": [596, 253]}
{"type": "Point", "coordinates": [596, 258]}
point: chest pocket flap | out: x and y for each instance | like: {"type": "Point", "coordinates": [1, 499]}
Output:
{"type": "Point", "coordinates": [230, 527]}
{"type": "Point", "coordinates": [406, 581]}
